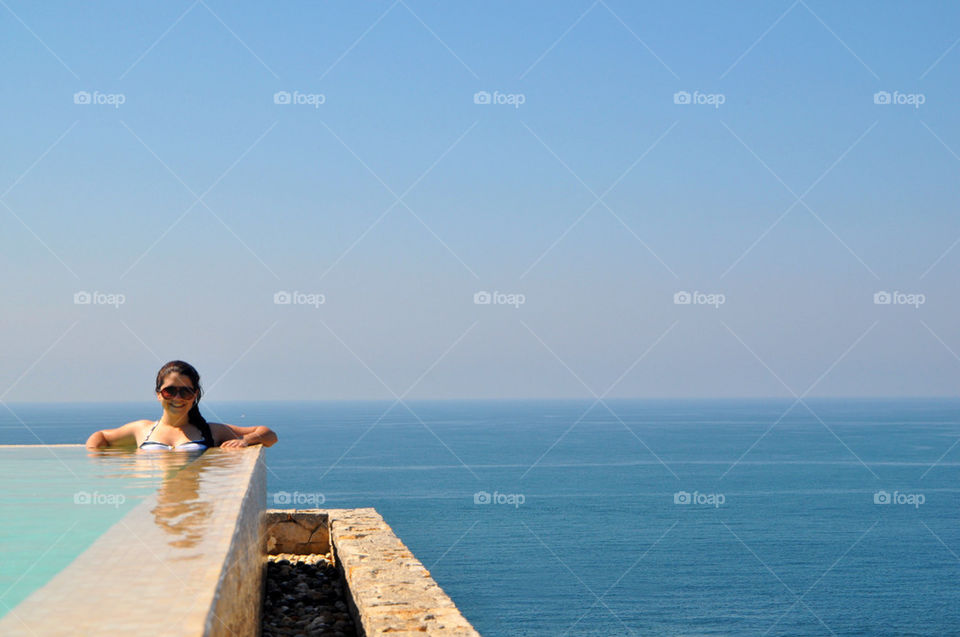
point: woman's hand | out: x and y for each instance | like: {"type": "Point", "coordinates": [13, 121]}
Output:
{"type": "Point", "coordinates": [97, 441]}
{"type": "Point", "coordinates": [248, 435]}
{"type": "Point", "coordinates": [236, 443]}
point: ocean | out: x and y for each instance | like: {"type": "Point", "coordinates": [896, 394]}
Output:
{"type": "Point", "coordinates": [630, 517]}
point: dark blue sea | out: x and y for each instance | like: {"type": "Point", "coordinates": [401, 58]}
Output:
{"type": "Point", "coordinates": [639, 517]}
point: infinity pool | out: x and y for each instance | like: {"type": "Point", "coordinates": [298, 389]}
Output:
{"type": "Point", "coordinates": [56, 500]}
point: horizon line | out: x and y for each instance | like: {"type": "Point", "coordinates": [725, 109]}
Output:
{"type": "Point", "coordinates": [511, 399]}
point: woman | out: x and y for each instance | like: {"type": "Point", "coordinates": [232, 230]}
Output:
{"type": "Point", "coordinates": [181, 428]}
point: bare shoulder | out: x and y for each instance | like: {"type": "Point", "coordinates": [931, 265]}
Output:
{"type": "Point", "coordinates": [132, 432]}
{"type": "Point", "coordinates": [139, 428]}
{"type": "Point", "coordinates": [135, 425]}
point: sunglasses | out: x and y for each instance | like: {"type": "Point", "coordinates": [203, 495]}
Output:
{"type": "Point", "coordinates": [173, 391]}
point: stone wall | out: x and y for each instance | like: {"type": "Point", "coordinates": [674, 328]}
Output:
{"type": "Point", "coordinates": [237, 602]}
{"type": "Point", "coordinates": [301, 532]}
{"type": "Point", "coordinates": [391, 593]}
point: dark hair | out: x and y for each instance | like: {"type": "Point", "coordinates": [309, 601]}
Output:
{"type": "Point", "coordinates": [188, 370]}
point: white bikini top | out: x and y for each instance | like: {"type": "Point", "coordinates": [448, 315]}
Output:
{"type": "Point", "coordinates": [190, 445]}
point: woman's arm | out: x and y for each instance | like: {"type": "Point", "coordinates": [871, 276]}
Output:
{"type": "Point", "coordinates": [125, 436]}
{"type": "Point", "coordinates": [233, 436]}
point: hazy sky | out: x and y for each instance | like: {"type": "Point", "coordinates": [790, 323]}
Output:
{"type": "Point", "coordinates": [586, 160]}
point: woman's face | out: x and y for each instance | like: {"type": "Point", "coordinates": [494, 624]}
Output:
{"type": "Point", "coordinates": [177, 403]}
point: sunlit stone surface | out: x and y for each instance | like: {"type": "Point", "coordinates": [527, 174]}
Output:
{"type": "Point", "coordinates": [390, 591]}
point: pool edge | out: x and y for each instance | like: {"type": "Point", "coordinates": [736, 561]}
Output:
{"type": "Point", "coordinates": [198, 562]}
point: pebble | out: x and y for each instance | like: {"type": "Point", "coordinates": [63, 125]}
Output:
{"type": "Point", "coordinates": [304, 597]}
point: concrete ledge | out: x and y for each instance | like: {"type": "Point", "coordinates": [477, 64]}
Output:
{"type": "Point", "coordinates": [185, 561]}
{"type": "Point", "coordinates": [390, 591]}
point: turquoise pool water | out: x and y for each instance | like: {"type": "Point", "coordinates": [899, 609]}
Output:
{"type": "Point", "coordinates": [56, 500]}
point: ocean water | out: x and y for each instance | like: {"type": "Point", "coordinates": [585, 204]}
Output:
{"type": "Point", "coordinates": [708, 517]}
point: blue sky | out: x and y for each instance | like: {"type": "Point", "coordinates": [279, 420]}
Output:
{"type": "Point", "coordinates": [398, 198]}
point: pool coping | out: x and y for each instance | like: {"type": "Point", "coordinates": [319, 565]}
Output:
{"type": "Point", "coordinates": [187, 558]}
{"type": "Point", "coordinates": [59, 444]}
